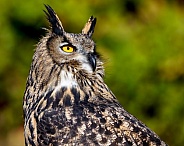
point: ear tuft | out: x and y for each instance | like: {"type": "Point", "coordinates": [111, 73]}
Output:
{"type": "Point", "coordinates": [89, 27]}
{"type": "Point", "coordinates": [52, 17]}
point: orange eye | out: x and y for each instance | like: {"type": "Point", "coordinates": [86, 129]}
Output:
{"type": "Point", "coordinates": [67, 49]}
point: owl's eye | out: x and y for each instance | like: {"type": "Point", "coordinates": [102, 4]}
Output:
{"type": "Point", "coordinates": [67, 49]}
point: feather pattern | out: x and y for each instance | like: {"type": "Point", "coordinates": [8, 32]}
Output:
{"type": "Point", "coordinates": [67, 103]}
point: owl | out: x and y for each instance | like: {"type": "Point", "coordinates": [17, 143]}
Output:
{"type": "Point", "coordinates": [67, 103]}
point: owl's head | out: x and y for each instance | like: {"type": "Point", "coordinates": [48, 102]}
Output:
{"type": "Point", "coordinates": [69, 48]}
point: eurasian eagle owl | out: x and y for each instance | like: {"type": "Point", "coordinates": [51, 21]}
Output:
{"type": "Point", "coordinates": [66, 101]}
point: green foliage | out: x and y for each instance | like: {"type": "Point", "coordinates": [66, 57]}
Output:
{"type": "Point", "coordinates": [141, 43]}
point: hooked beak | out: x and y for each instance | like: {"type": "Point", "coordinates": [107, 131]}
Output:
{"type": "Point", "coordinates": [92, 60]}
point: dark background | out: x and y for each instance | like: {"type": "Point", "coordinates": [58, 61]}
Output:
{"type": "Point", "coordinates": [141, 42]}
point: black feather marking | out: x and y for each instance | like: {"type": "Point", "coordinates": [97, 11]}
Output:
{"type": "Point", "coordinates": [93, 125]}
{"type": "Point", "coordinates": [104, 140]}
{"type": "Point", "coordinates": [89, 27]}
{"type": "Point", "coordinates": [67, 100]}
{"type": "Point", "coordinates": [93, 23]}
{"type": "Point", "coordinates": [59, 94]}
{"type": "Point", "coordinates": [101, 129]}
{"type": "Point", "coordinates": [108, 132]}
{"type": "Point", "coordinates": [52, 17]}
{"type": "Point", "coordinates": [49, 101]}
{"type": "Point", "coordinates": [31, 141]}
{"type": "Point", "coordinates": [119, 139]}
{"type": "Point", "coordinates": [76, 95]}
{"type": "Point", "coordinates": [31, 129]}
{"type": "Point", "coordinates": [86, 97]}
{"type": "Point", "coordinates": [48, 94]}
{"type": "Point", "coordinates": [102, 120]}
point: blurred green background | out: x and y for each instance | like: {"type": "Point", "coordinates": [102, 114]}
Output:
{"type": "Point", "coordinates": [141, 42]}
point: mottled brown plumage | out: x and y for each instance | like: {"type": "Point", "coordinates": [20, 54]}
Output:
{"type": "Point", "coordinates": [66, 101]}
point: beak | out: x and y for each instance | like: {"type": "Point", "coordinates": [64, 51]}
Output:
{"type": "Point", "coordinates": [92, 60]}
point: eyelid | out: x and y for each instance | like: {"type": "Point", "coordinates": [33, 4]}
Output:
{"type": "Point", "coordinates": [64, 44]}
{"type": "Point", "coordinates": [67, 44]}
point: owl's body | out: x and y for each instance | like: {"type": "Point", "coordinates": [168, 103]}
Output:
{"type": "Point", "coordinates": [66, 101]}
